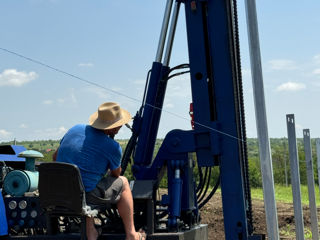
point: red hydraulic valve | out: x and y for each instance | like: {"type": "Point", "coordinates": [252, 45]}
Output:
{"type": "Point", "coordinates": [191, 115]}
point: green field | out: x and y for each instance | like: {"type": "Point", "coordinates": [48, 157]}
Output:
{"type": "Point", "coordinates": [284, 194]}
{"type": "Point", "coordinates": [279, 158]}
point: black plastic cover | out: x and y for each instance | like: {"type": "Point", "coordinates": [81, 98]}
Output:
{"type": "Point", "coordinates": [60, 187]}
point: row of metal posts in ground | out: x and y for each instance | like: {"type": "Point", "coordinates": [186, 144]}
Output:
{"type": "Point", "coordinates": [295, 179]}
{"type": "Point", "coordinates": [264, 145]}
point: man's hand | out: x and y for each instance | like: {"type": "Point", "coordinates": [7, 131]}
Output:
{"type": "Point", "coordinates": [116, 172]}
{"type": "Point", "coordinates": [54, 156]}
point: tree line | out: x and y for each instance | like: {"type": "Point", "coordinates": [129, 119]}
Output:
{"type": "Point", "coordinates": [279, 151]}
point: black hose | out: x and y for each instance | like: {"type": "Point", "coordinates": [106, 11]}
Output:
{"type": "Point", "coordinates": [126, 158]}
{"type": "Point", "coordinates": [213, 191]}
{"type": "Point", "coordinates": [207, 186]}
{"type": "Point", "coordinates": [181, 66]}
{"type": "Point", "coordinates": [200, 180]}
{"type": "Point", "coordinates": [203, 183]}
{"type": "Point", "coordinates": [177, 74]}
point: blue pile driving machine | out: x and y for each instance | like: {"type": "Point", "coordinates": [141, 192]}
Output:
{"type": "Point", "coordinates": [216, 141]}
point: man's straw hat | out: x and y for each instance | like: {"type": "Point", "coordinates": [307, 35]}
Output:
{"type": "Point", "coordinates": [108, 116]}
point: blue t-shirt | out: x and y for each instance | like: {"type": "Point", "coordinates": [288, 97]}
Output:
{"type": "Point", "coordinates": [92, 151]}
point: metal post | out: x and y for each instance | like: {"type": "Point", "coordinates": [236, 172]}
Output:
{"type": "Point", "coordinates": [285, 163]}
{"type": "Point", "coordinates": [295, 176]}
{"type": "Point", "coordinates": [261, 120]}
{"type": "Point", "coordinates": [318, 159]}
{"type": "Point", "coordinates": [164, 29]}
{"type": "Point", "coordinates": [310, 179]}
{"type": "Point", "coordinates": [172, 31]}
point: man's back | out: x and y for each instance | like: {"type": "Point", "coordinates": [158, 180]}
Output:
{"type": "Point", "coordinates": [92, 151]}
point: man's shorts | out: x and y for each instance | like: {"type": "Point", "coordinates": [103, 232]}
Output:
{"type": "Point", "coordinates": [107, 191]}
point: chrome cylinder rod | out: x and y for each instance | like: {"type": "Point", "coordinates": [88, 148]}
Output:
{"type": "Point", "coordinates": [164, 30]}
{"type": "Point", "coordinates": [172, 32]}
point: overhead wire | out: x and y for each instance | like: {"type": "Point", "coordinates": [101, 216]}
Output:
{"type": "Point", "coordinates": [204, 182]}
{"type": "Point", "coordinates": [116, 92]}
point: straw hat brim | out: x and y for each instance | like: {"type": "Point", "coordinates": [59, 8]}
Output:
{"type": "Point", "coordinates": [97, 123]}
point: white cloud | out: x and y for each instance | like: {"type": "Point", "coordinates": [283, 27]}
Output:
{"type": "Point", "coordinates": [4, 133]}
{"type": "Point", "coordinates": [299, 126]}
{"type": "Point", "coordinates": [316, 58]}
{"type": "Point", "coordinates": [169, 105]}
{"type": "Point", "coordinates": [22, 125]}
{"type": "Point", "coordinates": [47, 102]}
{"type": "Point", "coordinates": [85, 65]}
{"type": "Point", "coordinates": [117, 89]}
{"type": "Point", "coordinates": [139, 82]}
{"type": "Point", "coordinates": [73, 96]}
{"type": "Point", "coordinates": [101, 93]}
{"type": "Point", "coordinates": [291, 87]}
{"type": "Point", "coordinates": [282, 64]}
{"type": "Point", "coordinates": [12, 77]}
{"type": "Point", "coordinates": [316, 71]}
{"type": "Point", "coordinates": [60, 100]}
{"type": "Point", "coordinates": [179, 87]}
{"type": "Point", "coordinates": [50, 133]}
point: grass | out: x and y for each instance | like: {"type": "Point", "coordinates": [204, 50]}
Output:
{"type": "Point", "coordinates": [284, 194]}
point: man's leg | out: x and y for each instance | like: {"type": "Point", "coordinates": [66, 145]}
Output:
{"type": "Point", "coordinates": [125, 208]}
{"type": "Point", "coordinates": [92, 233]}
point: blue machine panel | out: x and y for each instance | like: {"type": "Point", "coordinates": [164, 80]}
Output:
{"type": "Point", "coordinates": [9, 153]}
{"type": "Point", "coordinates": [24, 213]}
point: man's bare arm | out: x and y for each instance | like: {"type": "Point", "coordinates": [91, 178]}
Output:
{"type": "Point", "coordinates": [54, 156]}
{"type": "Point", "coordinates": [116, 172]}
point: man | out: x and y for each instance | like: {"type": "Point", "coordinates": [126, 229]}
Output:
{"type": "Point", "coordinates": [92, 148]}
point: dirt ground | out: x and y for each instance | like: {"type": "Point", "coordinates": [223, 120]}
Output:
{"type": "Point", "coordinates": [211, 214]}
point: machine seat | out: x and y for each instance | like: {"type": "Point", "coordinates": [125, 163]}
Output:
{"type": "Point", "coordinates": [61, 189]}
{"type": "Point", "coordinates": [62, 194]}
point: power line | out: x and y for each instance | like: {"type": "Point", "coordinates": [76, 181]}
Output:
{"type": "Point", "coordinates": [113, 91]}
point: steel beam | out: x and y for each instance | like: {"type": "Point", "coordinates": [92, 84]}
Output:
{"type": "Point", "coordinates": [261, 120]}
{"type": "Point", "coordinates": [295, 177]}
{"type": "Point", "coordinates": [310, 179]}
{"type": "Point", "coordinates": [318, 159]}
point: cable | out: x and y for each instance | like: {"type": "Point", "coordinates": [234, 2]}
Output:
{"type": "Point", "coordinates": [118, 93]}
{"type": "Point", "coordinates": [213, 191]}
{"type": "Point", "coordinates": [177, 74]}
{"type": "Point", "coordinates": [130, 148]}
{"type": "Point", "coordinates": [207, 186]}
{"type": "Point", "coordinates": [185, 65]}
{"type": "Point", "coordinates": [200, 180]}
{"type": "Point", "coordinates": [203, 183]}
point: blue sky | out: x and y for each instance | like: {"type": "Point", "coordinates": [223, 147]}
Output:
{"type": "Point", "coordinates": [113, 44]}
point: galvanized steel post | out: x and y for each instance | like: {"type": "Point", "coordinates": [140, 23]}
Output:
{"type": "Point", "coordinates": [310, 179]}
{"type": "Point", "coordinates": [318, 159]}
{"type": "Point", "coordinates": [295, 176]}
{"type": "Point", "coordinates": [261, 120]}
{"type": "Point", "coordinates": [285, 163]}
